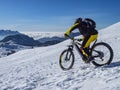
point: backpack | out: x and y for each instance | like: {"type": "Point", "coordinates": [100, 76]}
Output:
{"type": "Point", "coordinates": [90, 23]}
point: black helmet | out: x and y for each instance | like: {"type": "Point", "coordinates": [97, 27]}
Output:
{"type": "Point", "coordinates": [78, 20]}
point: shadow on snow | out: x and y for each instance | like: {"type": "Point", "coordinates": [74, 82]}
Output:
{"type": "Point", "coordinates": [114, 64]}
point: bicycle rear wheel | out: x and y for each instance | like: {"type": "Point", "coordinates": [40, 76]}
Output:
{"type": "Point", "coordinates": [66, 60]}
{"type": "Point", "coordinates": [102, 53]}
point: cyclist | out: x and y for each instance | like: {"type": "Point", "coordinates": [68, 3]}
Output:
{"type": "Point", "coordinates": [87, 29]}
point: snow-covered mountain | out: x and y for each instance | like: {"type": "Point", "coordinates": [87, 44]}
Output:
{"type": "Point", "coordinates": [38, 68]}
{"type": "Point", "coordinates": [21, 39]}
{"type": "Point", "coordinates": [14, 43]}
{"type": "Point", "coordinates": [8, 32]}
{"type": "Point", "coordinates": [4, 33]}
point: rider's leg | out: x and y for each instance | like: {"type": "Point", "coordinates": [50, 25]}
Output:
{"type": "Point", "coordinates": [87, 51]}
{"type": "Point", "coordinates": [86, 38]}
{"type": "Point", "coordinates": [86, 43]}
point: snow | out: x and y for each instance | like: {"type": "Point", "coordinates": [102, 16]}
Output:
{"type": "Point", "coordinates": [38, 68]}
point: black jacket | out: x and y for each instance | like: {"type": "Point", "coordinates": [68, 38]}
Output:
{"type": "Point", "coordinates": [85, 29]}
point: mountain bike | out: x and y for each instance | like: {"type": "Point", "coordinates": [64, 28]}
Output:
{"type": "Point", "coordinates": [101, 53]}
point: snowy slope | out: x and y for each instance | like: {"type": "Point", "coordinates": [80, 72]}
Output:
{"type": "Point", "coordinates": [38, 69]}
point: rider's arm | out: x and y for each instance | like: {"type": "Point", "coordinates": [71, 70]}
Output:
{"type": "Point", "coordinates": [71, 29]}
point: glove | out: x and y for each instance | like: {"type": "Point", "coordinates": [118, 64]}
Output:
{"type": "Point", "coordinates": [65, 35]}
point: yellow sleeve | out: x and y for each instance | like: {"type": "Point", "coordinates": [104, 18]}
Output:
{"type": "Point", "coordinates": [71, 29]}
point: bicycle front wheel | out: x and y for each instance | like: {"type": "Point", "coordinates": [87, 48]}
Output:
{"type": "Point", "coordinates": [102, 53]}
{"type": "Point", "coordinates": [66, 60]}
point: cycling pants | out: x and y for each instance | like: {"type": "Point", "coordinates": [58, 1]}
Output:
{"type": "Point", "coordinates": [88, 39]}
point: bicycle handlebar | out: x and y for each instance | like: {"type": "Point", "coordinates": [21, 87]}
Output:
{"type": "Point", "coordinates": [72, 38]}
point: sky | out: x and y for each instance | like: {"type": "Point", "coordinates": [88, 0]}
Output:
{"type": "Point", "coordinates": [56, 15]}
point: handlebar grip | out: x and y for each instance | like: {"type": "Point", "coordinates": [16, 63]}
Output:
{"type": "Point", "coordinates": [65, 35]}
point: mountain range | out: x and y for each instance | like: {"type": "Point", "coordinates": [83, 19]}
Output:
{"type": "Point", "coordinates": [14, 41]}
{"type": "Point", "coordinates": [7, 32]}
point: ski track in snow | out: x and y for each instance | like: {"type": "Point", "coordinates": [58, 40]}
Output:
{"type": "Point", "coordinates": [38, 69]}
